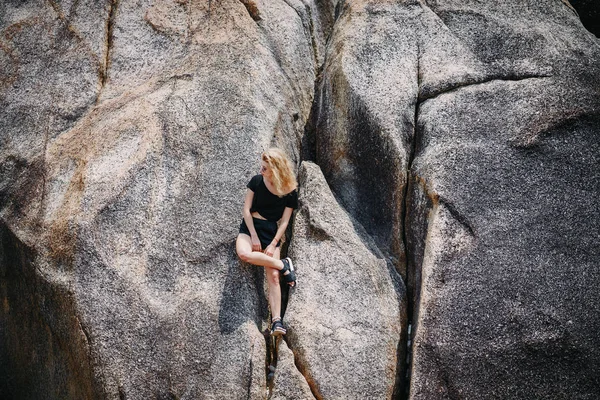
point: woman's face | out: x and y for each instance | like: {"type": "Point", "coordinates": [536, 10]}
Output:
{"type": "Point", "coordinates": [265, 170]}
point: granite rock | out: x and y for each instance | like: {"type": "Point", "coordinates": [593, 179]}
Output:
{"type": "Point", "coordinates": [129, 132]}
{"type": "Point", "coordinates": [346, 317]}
{"type": "Point", "coordinates": [454, 187]}
{"type": "Point", "coordinates": [464, 137]}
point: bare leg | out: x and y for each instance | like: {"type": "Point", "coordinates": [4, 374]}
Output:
{"type": "Point", "coordinates": [272, 267]}
{"type": "Point", "coordinates": [243, 246]}
{"type": "Point", "coordinates": [274, 288]}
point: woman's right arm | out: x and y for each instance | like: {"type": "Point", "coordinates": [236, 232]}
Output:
{"type": "Point", "coordinates": [249, 222]}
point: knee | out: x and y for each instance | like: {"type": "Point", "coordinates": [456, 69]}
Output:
{"type": "Point", "coordinates": [273, 277]}
{"type": "Point", "coordinates": [244, 255]}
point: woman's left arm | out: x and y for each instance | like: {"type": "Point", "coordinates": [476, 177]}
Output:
{"type": "Point", "coordinates": [285, 219]}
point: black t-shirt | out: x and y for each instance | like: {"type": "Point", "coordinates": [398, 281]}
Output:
{"type": "Point", "coordinates": [267, 204]}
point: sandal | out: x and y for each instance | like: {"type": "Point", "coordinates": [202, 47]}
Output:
{"type": "Point", "coordinates": [277, 328]}
{"type": "Point", "coordinates": [288, 271]}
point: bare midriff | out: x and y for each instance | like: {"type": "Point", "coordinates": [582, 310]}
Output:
{"type": "Point", "coordinates": [255, 214]}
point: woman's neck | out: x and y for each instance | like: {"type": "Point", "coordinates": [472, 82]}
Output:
{"type": "Point", "coordinates": [269, 185]}
{"type": "Point", "coordinates": [268, 181]}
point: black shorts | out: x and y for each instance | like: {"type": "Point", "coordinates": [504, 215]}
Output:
{"type": "Point", "coordinates": [266, 230]}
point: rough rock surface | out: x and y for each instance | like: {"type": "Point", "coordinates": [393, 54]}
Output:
{"type": "Point", "coordinates": [345, 318]}
{"type": "Point", "coordinates": [459, 146]}
{"type": "Point", "coordinates": [129, 131]}
{"type": "Point", "coordinates": [494, 110]}
{"type": "Point", "coordinates": [289, 383]}
{"type": "Point", "coordinates": [510, 165]}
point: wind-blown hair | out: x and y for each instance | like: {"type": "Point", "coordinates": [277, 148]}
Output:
{"type": "Point", "coordinates": [283, 178]}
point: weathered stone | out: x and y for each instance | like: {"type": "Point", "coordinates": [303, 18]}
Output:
{"type": "Point", "coordinates": [289, 383]}
{"type": "Point", "coordinates": [507, 230]}
{"type": "Point", "coordinates": [460, 139]}
{"type": "Point", "coordinates": [361, 148]}
{"type": "Point", "coordinates": [345, 317]}
{"type": "Point", "coordinates": [493, 108]}
{"type": "Point", "coordinates": [128, 135]}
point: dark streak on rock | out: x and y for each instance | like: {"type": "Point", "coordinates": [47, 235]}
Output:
{"type": "Point", "coordinates": [85, 332]}
{"type": "Point", "coordinates": [44, 168]}
{"type": "Point", "coordinates": [110, 22]}
{"type": "Point", "coordinates": [249, 392]}
{"type": "Point", "coordinates": [308, 151]}
{"type": "Point", "coordinates": [185, 77]}
{"type": "Point", "coordinates": [122, 395]}
{"type": "Point", "coordinates": [270, 361]}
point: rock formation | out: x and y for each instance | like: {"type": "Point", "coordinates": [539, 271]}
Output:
{"type": "Point", "coordinates": [347, 305]}
{"type": "Point", "coordinates": [129, 132]}
{"type": "Point", "coordinates": [494, 111]}
{"type": "Point", "coordinates": [448, 154]}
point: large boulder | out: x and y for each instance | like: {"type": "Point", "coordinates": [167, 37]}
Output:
{"type": "Point", "coordinates": [509, 168]}
{"type": "Point", "coordinates": [456, 146]}
{"type": "Point", "coordinates": [129, 131]}
{"type": "Point", "coordinates": [347, 316]}
{"type": "Point", "coordinates": [493, 108]}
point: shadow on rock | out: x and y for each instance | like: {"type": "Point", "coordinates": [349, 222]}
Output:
{"type": "Point", "coordinates": [242, 297]}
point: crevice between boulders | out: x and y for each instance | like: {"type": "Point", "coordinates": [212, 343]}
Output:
{"type": "Point", "coordinates": [402, 392]}
{"type": "Point", "coordinates": [306, 153]}
{"type": "Point", "coordinates": [309, 153]}
{"type": "Point", "coordinates": [303, 371]}
{"type": "Point", "coordinates": [252, 9]}
{"type": "Point", "coordinates": [308, 148]}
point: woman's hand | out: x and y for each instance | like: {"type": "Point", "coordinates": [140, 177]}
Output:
{"type": "Point", "coordinates": [255, 243]}
{"type": "Point", "coordinates": [270, 250]}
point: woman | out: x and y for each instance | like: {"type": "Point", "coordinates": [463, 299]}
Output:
{"type": "Point", "coordinates": [271, 198]}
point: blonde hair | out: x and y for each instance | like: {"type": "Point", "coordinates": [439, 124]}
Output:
{"type": "Point", "coordinates": [283, 178]}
